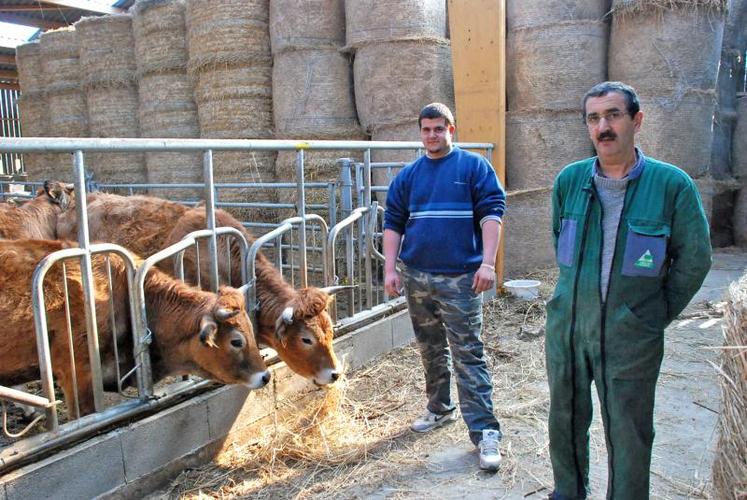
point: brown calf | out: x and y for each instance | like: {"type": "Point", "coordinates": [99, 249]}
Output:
{"type": "Point", "coordinates": [293, 322]}
{"type": "Point", "coordinates": [194, 332]}
{"type": "Point", "coordinates": [37, 218]}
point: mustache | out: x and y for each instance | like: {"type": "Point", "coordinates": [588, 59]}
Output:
{"type": "Point", "coordinates": [607, 134]}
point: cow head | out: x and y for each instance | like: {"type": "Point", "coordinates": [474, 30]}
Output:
{"type": "Point", "coordinates": [303, 336]}
{"type": "Point", "coordinates": [58, 193]}
{"type": "Point", "coordinates": [225, 348]}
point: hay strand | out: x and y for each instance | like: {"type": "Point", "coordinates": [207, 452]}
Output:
{"type": "Point", "coordinates": [633, 7]}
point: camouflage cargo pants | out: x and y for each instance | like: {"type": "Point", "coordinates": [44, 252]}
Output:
{"type": "Point", "coordinates": [446, 315]}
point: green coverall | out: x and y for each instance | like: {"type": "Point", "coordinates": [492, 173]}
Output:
{"type": "Point", "coordinates": [662, 255]}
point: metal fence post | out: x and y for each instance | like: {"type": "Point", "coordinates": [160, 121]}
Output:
{"type": "Point", "coordinates": [86, 273]}
{"type": "Point", "coordinates": [301, 197]}
{"type": "Point", "coordinates": [207, 164]}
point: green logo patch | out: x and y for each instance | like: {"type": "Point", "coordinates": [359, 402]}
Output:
{"type": "Point", "coordinates": [645, 261]}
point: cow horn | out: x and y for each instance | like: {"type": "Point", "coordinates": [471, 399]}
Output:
{"type": "Point", "coordinates": [331, 290]}
{"type": "Point", "coordinates": [287, 316]}
{"type": "Point", "coordinates": [223, 313]}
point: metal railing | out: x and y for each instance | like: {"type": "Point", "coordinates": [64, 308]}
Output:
{"type": "Point", "coordinates": [356, 256]}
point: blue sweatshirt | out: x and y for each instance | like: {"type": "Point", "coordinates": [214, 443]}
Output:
{"type": "Point", "coordinates": [439, 206]}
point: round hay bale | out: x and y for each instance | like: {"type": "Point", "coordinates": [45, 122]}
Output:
{"type": "Point", "coordinates": [164, 91]}
{"type": "Point", "coordinates": [531, 13]}
{"type": "Point", "coordinates": [167, 110]}
{"type": "Point", "coordinates": [234, 82]}
{"type": "Point", "coordinates": [387, 20]}
{"type": "Point", "coordinates": [113, 112]}
{"type": "Point", "coordinates": [730, 463]}
{"type": "Point", "coordinates": [739, 142]}
{"type": "Point", "coordinates": [313, 24]}
{"type": "Point", "coordinates": [394, 80]}
{"type": "Point", "coordinates": [68, 113]}
{"type": "Point", "coordinates": [539, 144]}
{"type": "Point", "coordinates": [227, 31]}
{"type": "Point", "coordinates": [312, 93]}
{"type": "Point", "coordinates": [30, 73]}
{"type": "Point", "coordinates": [527, 233]}
{"type": "Point", "coordinates": [33, 112]}
{"type": "Point", "coordinates": [107, 50]}
{"type": "Point", "coordinates": [689, 146]}
{"type": "Point", "coordinates": [59, 60]}
{"type": "Point", "coordinates": [160, 35]}
{"type": "Point", "coordinates": [239, 118]}
{"type": "Point", "coordinates": [552, 66]}
{"type": "Point", "coordinates": [663, 54]}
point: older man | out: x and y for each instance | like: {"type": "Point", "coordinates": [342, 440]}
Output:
{"type": "Point", "coordinates": [633, 247]}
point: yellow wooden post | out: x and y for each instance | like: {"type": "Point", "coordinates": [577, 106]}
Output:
{"type": "Point", "coordinates": [478, 53]}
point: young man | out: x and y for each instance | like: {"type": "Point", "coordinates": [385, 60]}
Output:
{"type": "Point", "coordinates": [447, 206]}
{"type": "Point", "coordinates": [633, 247]}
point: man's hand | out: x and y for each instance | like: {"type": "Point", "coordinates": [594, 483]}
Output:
{"type": "Point", "coordinates": [484, 279]}
{"type": "Point", "coordinates": [392, 283]}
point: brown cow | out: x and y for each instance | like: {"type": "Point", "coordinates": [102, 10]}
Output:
{"type": "Point", "coordinates": [194, 332]}
{"type": "Point", "coordinates": [37, 218]}
{"type": "Point", "coordinates": [293, 322]}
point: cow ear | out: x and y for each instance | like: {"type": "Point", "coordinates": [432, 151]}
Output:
{"type": "Point", "coordinates": [282, 323]}
{"type": "Point", "coordinates": [208, 330]}
{"type": "Point", "coordinates": [58, 193]}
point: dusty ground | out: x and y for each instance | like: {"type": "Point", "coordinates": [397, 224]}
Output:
{"type": "Point", "coordinates": [353, 442]}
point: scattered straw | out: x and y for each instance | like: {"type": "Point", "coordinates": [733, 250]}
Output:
{"type": "Point", "coordinates": [730, 464]}
{"type": "Point", "coordinates": [346, 441]}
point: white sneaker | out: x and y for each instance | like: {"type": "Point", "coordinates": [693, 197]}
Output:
{"type": "Point", "coordinates": [490, 455]}
{"type": "Point", "coordinates": [430, 421]}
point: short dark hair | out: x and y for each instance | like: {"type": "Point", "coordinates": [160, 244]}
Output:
{"type": "Point", "coordinates": [436, 110]}
{"type": "Point", "coordinates": [632, 103]}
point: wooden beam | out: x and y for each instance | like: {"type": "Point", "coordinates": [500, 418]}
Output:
{"type": "Point", "coordinates": [8, 75]}
{"type": "Point", "coordinates": [7, 59]}
{"type": "Point", "coordinates": [478, 53]}
{"type": "Point", "coordinates": [84, 5]}
{"type": "Point", "coordinates": [9, 86]}
{"type": "Point", "coordinates": [30, 21]}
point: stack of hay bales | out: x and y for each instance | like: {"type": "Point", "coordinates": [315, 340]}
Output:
{"type": "Point", "coordinates": [107, 61]}
{"type": "Point", "coordinates": [402, 62]}
{"type": "Point", "coordinates": [66, 100]}
{"type": "Point", "coordinates": [556, 51]}
{"type": "Point", "coordinates": [739, 168]}
{"type": "Point", "coordinates": [312, 88]}
{"type": "Point", "coordinates": [230, 61]}
{"type": "Point", "coordinates": [32, 106]}
{"type": "Point", "coordinates": [167, 107]}
{"type": "Point", "coordinates": [669, 50]}
{"type": "Point", "coordinates": [730, 464]}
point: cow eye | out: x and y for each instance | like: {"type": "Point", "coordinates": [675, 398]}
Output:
{"type": "Point", "coordinates": [307, 340]}
{"type": "Point", "coordinates": [238, 341]}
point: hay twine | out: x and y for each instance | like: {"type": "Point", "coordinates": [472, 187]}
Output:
{"type": "Point", "coordinates": [730, 465]}
{"type": "Point", "coordinates": [345, 441]}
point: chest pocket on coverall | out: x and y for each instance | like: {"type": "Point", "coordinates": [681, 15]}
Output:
{"type": "Point", "coordinates": [645, 249]}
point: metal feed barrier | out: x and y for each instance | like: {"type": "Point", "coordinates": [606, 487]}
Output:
{"type": "Point", "coordinates": [347, 250]}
